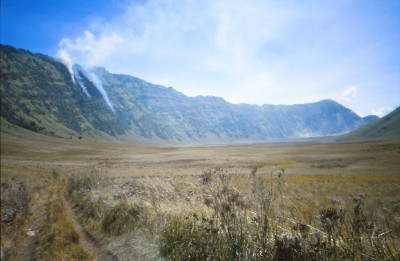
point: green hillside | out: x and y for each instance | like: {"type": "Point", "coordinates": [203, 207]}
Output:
{"type": "Point", "coordinates": [40, 94]}
{"type": "Point", "coordinates": [207, 118]}
{"type": "Point", "coordinates": [388, 127]}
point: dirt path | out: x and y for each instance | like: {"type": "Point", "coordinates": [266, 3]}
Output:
{"type": "Point", "coordinates": [30, 253]}
{"type": "Point", "coordinates": [36, 222]}
{"type": "Point", "coordinates": [86, 241]}
{"type": "Point", "coordinates": [39, 223]}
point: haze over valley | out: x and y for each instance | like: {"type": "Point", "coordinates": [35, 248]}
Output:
{"type": "Point", "coordinates": [44, 95]}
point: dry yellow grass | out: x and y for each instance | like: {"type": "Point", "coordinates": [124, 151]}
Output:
{"type": "Point", "coordinates": [274, 163]}
{"type": "Point", "coordinates": [168, 180]}
{"type": "Point", "coordinates": [58, 238]}
{"type": "Point", "coordinates": [346, 179]}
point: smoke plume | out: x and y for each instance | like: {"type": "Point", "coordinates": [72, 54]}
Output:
{"type": "Point", "coordinates": [66, 60]}
{"type": "Point", "coordinates": [91, 75]}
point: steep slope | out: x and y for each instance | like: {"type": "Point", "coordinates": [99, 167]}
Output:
{"type": "Point", "coordinates": [388, 127]}
{"type": "Point", "coordinates": [211, 118]}
{"type": "Point", "coordinates": [41, 94]}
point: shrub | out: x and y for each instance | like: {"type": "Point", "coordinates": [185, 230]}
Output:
{"type": "Point", "coordinates": [236, 229]}
{"type": "Point", "coordinates": [332, 219]}
{"type": "Point", "coordinates": [121, 218]}
{"type": "Point", "coordinates": [194, 238]}
{"type": "Point", "coordinates": [83, 182]}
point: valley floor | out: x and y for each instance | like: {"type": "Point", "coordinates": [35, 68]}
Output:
{"type": "Point", "coordinates": [72, 195]}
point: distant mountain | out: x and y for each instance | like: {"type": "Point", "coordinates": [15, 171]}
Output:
{"type": "Point", "coordinates": [41, 94]}
{"type": "Point", "coordinates": [388, 127]}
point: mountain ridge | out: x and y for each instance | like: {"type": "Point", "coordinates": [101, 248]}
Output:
{"type": "Point", "coordinates": [385, 128]}
{"type": "Point", "coordinates": [42, 95]}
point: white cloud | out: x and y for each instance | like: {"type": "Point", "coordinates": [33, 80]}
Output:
{"type": "Point", "coordinates": [208, 36]}
{"type": "Point", "coordinates": [381, 111]}
{"type": "Point", "coordinates": [348, 95]}
{"type": "Point", "coordinates": [246, 51]}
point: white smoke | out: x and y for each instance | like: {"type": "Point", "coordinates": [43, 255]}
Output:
{"type": "Point", "coordinates": [88, 51]}
{"type": "Point", "coordinates": [66, 60]}
{"type": "Point", "coordinates": [88, 73]}
{"type": "Point", "coordinates": [91, 75]}
{"type": "Point", "coordinates": [76, 70]}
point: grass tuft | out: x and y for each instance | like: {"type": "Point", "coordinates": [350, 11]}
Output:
{"type": "Point", "coordinates": [121, 218]}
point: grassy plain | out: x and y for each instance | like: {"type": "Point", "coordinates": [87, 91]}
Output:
{"type": "Point", "coordinates": [91, 200]}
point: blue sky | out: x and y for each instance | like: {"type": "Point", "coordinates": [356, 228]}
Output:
{"type": "Point", "coordinates": [258, 52]}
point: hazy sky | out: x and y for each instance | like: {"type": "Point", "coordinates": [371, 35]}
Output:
{"type": "Point", "coordinates": [258, 52]}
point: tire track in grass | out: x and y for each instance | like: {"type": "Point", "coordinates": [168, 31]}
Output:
{"type": "Point", "coordinates": [86, 241]}
{"type": "Point", "coordinates": [57, 233]}
{"type": "Point", "coordinates": [34, 228]}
